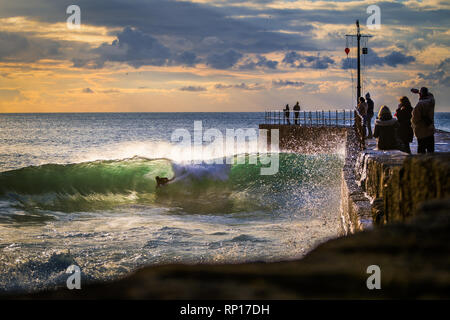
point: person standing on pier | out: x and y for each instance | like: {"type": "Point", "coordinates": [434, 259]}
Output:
{"type": "Point", "coordinates": [369, 116]}
{"type": "Point", "coordinates": [385, 131]}
{"type": "Point", "coordinates": [286, 114]}
{"type": "Point", "coordinates": [404, 114]}
{"type": "Point", "coordinates": [423, 120]}
{"type": "Point", "coordinates": [296, 112]}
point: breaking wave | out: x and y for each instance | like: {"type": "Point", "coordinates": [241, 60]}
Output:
{"type": "Point", "coordinates": [195, 188]}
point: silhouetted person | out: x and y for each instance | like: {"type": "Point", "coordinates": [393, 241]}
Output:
{"type": "Point", "coordinates": [296, 111]}
{"type": "Point", "coordinates": [369, 115]}
{"type": "Point", "coordinates": [404, 115]}
{"type": "Point", "coordinates": [162, 181]}
{"type": "Point", "coordinates": [423, 120]}
{"type": "Point", "coordinates": [362, 110]}
{"type": "Point", "coordinates": [386, 131]}
{"type": "Point", "coordinates": [286, 114]}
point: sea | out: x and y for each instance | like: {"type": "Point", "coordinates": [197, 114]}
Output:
{"type": "Point", "coordinates": [79, 189]}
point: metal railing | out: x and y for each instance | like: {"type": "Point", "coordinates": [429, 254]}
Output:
{"type": "Point", "coordinates": [345, 118]}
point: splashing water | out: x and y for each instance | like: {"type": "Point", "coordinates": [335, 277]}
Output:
{"type": "Point", "coordinates": [100, 209]}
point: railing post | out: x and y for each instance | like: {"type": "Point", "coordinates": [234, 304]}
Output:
{"type": "Point", "coordinates": [344, 117]}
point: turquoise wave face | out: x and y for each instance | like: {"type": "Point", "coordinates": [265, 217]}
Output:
{"type": "Point", "coordinates": [201, 188]}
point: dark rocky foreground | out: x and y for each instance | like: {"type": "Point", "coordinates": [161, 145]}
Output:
{"type": "Point", "coordinates": [413, 257]}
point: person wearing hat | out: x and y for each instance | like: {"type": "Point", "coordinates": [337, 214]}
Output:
{"type": "Point", "coordinates": [369, 115]}
{"type": "Point", "coordinates": [386, 131]}
{"type": "Point", "coordinates": [423, 120]}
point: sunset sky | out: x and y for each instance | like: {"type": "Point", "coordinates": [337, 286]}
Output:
{"type": "Point", "coordinates": [215, 55]}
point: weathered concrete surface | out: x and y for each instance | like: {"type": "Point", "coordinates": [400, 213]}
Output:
{"type": "Point", "coordinates": [309, 139]}
{"type": "Point", "coordinates": [413, 257]}
{"type": "Point", "coordinates": [386, 186]}
{"type": "Point", "coordinates": [397, 183]}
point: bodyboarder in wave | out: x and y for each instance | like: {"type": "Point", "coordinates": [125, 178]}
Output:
{"type": "Point", "coordinates": [162, 181]}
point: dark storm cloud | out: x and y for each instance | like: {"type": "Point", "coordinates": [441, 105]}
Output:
{"type": "Point", "coordinates": [372, 59]}
{"type": "Point", "coordinates": [296, 60]}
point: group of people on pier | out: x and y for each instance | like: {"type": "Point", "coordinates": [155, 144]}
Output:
{"type": "Point", "coordinates": [397, 133]}
{"type": "Point", "coordinates": [394, 133]}
{"type": "Point", "coordinates": [296, 109]}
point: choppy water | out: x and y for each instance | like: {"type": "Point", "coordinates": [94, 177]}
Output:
{"type": "Point", "coordinates": [80, 189]}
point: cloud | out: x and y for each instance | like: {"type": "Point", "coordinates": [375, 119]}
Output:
{"type": "Point", "coordinates": [287, 83]}
{"type": "Point", "coordinates": [18, 48]}
{"type": "Point", "coordinates": [225, 60]}
{"type": "Point", "coordinates": [395, 58]}
{"type": "Point", "coordinates": [261, 62]}
{"type": "Point", "coordinates": [296, 60]}
{"type": "Point", "coordinates": [441, 76]}
{"type": "Point", "coordinates": [135, 48]}
{"type": "Point", "coordinates": [241, 86]}
{"type": "Point", "coordinates": [372, 59]}
{"type": "Point", "coordinates": [193, 88]}
{"type": "Point", "coordinates": [187, 58]}
{"type": "Point", "coordinates": [87, 90]}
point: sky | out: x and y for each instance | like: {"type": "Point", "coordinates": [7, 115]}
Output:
{"type": "Point", "coordinates": [217, 55]}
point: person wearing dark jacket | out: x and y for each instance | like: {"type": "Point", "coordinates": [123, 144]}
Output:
{"type": "Point", "coordinates": [423, 121]}
{"type": "Point", "coordinates": [369, 115]}
{"type": "Point", "coordinates": [386, 131]}
{"type": "Point", "coordinates": [296, 111]}
{"type": "Point", "coordinates": [286, 114]}
{"type": "Point", "coordinates": [404, 115]}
